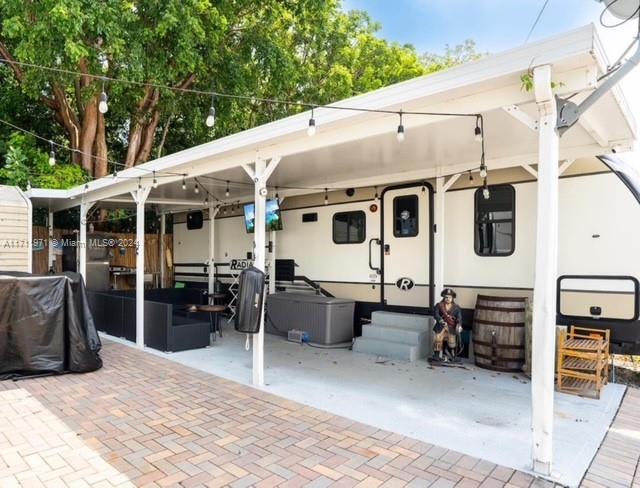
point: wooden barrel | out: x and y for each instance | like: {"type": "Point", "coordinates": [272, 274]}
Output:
{"type": "Point", "coordinates": [499, 333]}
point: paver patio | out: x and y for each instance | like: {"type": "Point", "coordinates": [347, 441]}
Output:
{"type": "Point", "coordinates": [145, 421]}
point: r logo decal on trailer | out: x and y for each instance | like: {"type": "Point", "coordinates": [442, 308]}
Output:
{"type": "Point", "coordinates": [405, 284]}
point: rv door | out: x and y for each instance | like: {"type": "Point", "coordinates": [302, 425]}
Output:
{"type": "Point", "coordinates": [406, 245]}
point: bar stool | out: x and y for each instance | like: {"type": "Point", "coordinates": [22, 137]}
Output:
{"type": "Point", "coordinates": [213, 297]}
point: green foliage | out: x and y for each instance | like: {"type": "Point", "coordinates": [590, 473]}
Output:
{"type": "Point", "coordinates": [526, 82]}
{"type": "Point", "coordinates": [24, 162]}
{"type": "Point", "coordinates": [453, 56]}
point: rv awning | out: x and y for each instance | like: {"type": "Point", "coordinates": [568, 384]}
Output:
{"type": "Point", "coordinates": [358, 149]}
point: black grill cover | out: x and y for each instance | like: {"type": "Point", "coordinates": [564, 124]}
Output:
{"type": "Point", "coordinates": [250, 297]}
{"type": "Point", "coordinates": [46, 326]}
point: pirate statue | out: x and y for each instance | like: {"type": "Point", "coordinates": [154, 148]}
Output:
{"type": "Point", "coordinates": [447, 328]}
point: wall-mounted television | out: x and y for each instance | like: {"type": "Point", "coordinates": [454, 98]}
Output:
{"type": "Point", "coordinates": [273, 219]}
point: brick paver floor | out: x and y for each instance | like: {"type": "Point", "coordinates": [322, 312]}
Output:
{"type": "Point", "coordinates": [617, 462]}
{"type": "Point", "coordinates": [145, 421]}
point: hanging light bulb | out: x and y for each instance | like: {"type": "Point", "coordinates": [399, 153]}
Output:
{"type": "Point", "coordinates": [211, 118]}
{"type": "Point", "coordinates": [227, 192]}
{"type": "Point", "coordinates": [196, 189]}
{"type": "Point", "coordinates": [326, 197]}
{"type": "Point", "coordinates": [52, 155]}
{"type": "Point", "coordinates": [206, 200]}
{"type": "Point", "coordinates": [86, 187]}
{"type": "Point", "coordinates": [478, 131]}
{"type": "Point", "coordinates": [277, 196]}
{"type": "Point", "coordinates": [485, 190]}
{"type": "Point", "coordinates": [102, 106]}
{"type": "Point", "coordinates": [483, 170]}
{"type": "Point", "coordinates": [139, 184]}
{"type": "Point", "coordinates": [424, 187]}
{"type": "Point", "coordinates": [28, 185]}
{"type": "Point", "coordinates": [376, 197]}
{"type": "Point", "coordinates": [470, 177]}
{"type": "Point", "coordinates": [115, 175]}
{"type": "Point", "coordinates": [311, 130]}
{"type": "Point", "coordinates": [184, 184]}
{"type": "Point", "coordinates": [155, 180]}
{"type": "Point", "coordinates": [400, 133]}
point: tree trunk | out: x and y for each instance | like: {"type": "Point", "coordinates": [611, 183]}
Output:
{"type": "Point", "coordinates": [88, 134]}
{"type": "Point", "coordinates": [100, 165]}
{"type": "Point", "coordinates": [148, 137]}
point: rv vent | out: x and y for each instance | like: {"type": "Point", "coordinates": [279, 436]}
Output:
{"type": "Point", "coordinates": [310, 217]}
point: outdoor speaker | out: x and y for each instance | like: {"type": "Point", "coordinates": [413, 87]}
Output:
{"type": "Point", "coordinates": [250, 299]}
{"type": "Point", "coordinates": [194, 220]}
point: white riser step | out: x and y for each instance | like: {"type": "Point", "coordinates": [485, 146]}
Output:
{"type": "Point", "coordinates": [394, 334]}
{"type": "Point", "coordinates": [393, 350]}
{"type": "Point", "coordinates": [403, 320]}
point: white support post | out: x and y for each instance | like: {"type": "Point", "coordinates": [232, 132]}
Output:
{"type": "Point", "coordinates": [140, 196]}
{"type": "Point", "coordinates": [50, 257]}
{"type": "Point", "coordinates": [546, 265]}
{"type": "Point", "coordinates": [261, 175]}
{"type": "Point", "coordinates": [163, 261]}
{"type": "Point", "coordinates": [82, 244]}
{"type": "Point", "coordinates": [438, 242]}
{"type": "Point", "coordinates": [213, 211]}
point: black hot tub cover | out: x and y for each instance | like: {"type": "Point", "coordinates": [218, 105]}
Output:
{"type": "Point", "coordinates": [46, 326]}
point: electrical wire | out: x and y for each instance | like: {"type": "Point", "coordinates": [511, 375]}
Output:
{"type": "Point", "coordinates": [535, 23]}
{"type": "Point", "coordinates": [218, 94]}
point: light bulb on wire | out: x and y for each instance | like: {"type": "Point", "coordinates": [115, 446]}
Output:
{"type": "Point", "coordinates": [184, 184]}
{"type": "Point", "coordinates": [115, 175]}
{"type": "Point", "coordinates": [326, 197]}
{"type": "Point", "coordinates": [470, 177]}
{"type": "Point", "coordinates": [227, 192]}
{"type": "Point", "coordinates": [376, 197]}
{"type": "Point", "coordinates": [155, 180]}
{"type": "Point", "coordinates": [400, 133]}
{"type": "Point", "coordinates": [485, 190]}
{"type": "Point", "coordinates": [478, 131]}
{"type": "Point", "coordinates": [483, 171]}
{"type": "Point", "coordinates": [211, 118]}
{"type": "Point", "coordinates": [206, 200]}
{"type": "Point", "coordinates": [311, 130]}
{"type": "Point", "coordinates": [196, 190]}
{"type": "Point", "coordinates": [52, 155]}
{"type": "Point", "coordinates": [102, 106]}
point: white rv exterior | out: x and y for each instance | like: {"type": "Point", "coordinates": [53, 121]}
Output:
{"type": "Point", "coordinates": [596, 237]}
{"type": "Point", "coordinates": [15, 230]}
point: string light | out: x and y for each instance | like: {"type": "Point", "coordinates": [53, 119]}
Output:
{"type": "Point", "coordinates": [102, 106]}
{"type": "Point", "coordinates": [86, 187]}
{"type": "Point", "coordinates": [485, 190]}
{"type": "Point", "coordinates": [470, 177]}
{"type": "Point", "coordinates": [52, 155]}
{"type": "Point", "coordinates": [326, 197]}
{"type": "Point", "coordinates": [277, 196]}
{"type": "Point", "coordinates": [211, 118]}
{"type": "Point", "coordinates": [311, 130]}
{"type": "Point", "coordinates": [424, 187]}
{"type": "Point", "coordinates": [376, 197]}
{"type": "Point", "coordinates": [155, 180]}
{"type": "Point", "coordinates": [196, 190]}
{"type": "Point", "coordinates": [139, 183]}
{"type": "Point", "coordinates": [478, 131]}
{"type": "Point", "coordinates": [227, 193]}
{"type": "Point", "coordinates": [28, 185]}
{"type": "Point", "coordinates": [115, 175]}
{"type": "Point", "coordinates": [400, 133]}
{"type": "Point", "coordinates": [206, 200]}
{"type": "Point", "coordinates": [184, 184]}
{"type": "Point", "coordinates": [483, 170]}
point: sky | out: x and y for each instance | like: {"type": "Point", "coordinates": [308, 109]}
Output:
{"type": "Point", "coordinates": [496, 25]}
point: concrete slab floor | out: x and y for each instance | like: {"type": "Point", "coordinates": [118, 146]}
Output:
{"type": "Point", "coordinates": [477, 412]}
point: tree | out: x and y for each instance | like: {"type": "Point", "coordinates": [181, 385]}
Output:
{"type": "Point", "coordinates": [453, 56]}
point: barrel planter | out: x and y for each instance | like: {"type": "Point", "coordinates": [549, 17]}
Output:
{"type": "Point", "coordinates": [499, 333]}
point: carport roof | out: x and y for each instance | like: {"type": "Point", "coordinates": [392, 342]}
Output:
{"type": "Point", "coordinates": [359, 149]}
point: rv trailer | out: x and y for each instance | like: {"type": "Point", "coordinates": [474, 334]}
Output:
{"type": "Point", "coordinates": [375, 244]}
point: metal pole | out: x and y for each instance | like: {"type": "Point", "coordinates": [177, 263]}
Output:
{"type": "Point", "coordinates": [546, 266]}
{"type": "Point", "coordinates": [259, 237]}
{"type": "Point", "coordinates": [438, 243]}
{"type": "Point", "coordinates": [163, 262]}
{"type": "Point", "coordinates": [212, 236]}
{"type": "Point", "coordinates": [50, 257]}
{"type": "Point", "coordinates": [82, 242]}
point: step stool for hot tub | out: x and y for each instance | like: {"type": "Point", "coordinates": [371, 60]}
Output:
{"type": "Point", "coordinates": [583, 361]}
{"type": "Point", "coordinates": [396, 335]}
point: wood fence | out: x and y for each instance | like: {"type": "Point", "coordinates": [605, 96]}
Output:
{"type": "Point", "coordinates": [124, 256]}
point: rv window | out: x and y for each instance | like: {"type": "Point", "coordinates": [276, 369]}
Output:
{"type": "Point", "coordinates": [495, 221]}
{"type": "Point", "coordinates": [349, 227]}
{"type": "Point", "coordinates": [405, 216]}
